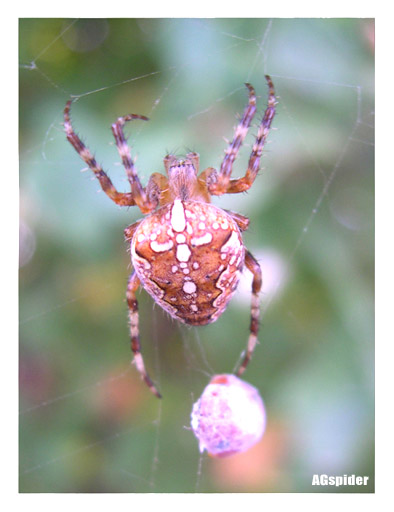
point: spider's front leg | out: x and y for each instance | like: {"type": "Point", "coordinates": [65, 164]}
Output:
{"type": "Point", "coordinates": [222, 184]}
{"type": "Point", "coordinates": [137, 196]}
{"type": "Point", "coordinates": [252, 265]}
{"type": "Point", "coordinates": [140, 195]}
{"type": "Point", "coordinates": [132, 287]}
{"type": "Point", "coordinates": [122, 199]}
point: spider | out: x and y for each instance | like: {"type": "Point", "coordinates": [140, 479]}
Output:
{"type": "Point", "coordinates": [186, 253]}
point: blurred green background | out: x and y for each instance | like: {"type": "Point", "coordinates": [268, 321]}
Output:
{"type": "Point", "coordinates": [87, 422]}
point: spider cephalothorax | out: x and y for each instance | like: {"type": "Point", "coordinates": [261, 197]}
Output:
{"type": "Point", "coordinates": [186, 253]}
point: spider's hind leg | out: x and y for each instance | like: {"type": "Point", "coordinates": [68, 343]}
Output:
{"type": "Point", "coordinates": [132, 286]}
{"type": "Point", "coordinates": [252, 265]}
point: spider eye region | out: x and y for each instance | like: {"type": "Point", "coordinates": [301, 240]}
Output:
{"type": "Point", "coordinates": [182, 178]}
{"type": "Point", "coordinates": [188, 256]}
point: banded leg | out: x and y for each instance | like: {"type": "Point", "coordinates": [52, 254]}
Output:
{"type": "Point", "coordinates": [138, 191]}
{"type": "Point", "coordinates": [122, 199]}
{"type": "Point", "coordinates": [224, 185]}
{"type": "Point", "coordinates": [220, 186]}
{"type": "Point", "coordinates": [241, 184]}
{"type": "Point", "coordinates": [132, 287]}
{"type": "Point", "coordinates": [252, 265]}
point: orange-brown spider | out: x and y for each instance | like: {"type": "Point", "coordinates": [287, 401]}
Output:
{"type": "Point", "coordinates": [186, 253]}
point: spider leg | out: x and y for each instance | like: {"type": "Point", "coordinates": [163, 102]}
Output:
{"type": "Point", "coordinates": [130, 230]}
{"type": "Point", "coordinates": [139, 194]}
{"type": "Point", "coordinates": [132, 286]}
{"type": "Point", "coordinates": [252, 265]}
{"type": "Point", "coordinates": [240, 185]}
{"type": "Point", "coordinates": [119, 198]}
{"type": "Point", "coordinates": [223, 177]}
{"type": "Point", "coordinates": [242, 221]}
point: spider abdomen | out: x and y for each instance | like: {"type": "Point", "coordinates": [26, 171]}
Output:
{"type": "Point", "coordinates": [188, 256]}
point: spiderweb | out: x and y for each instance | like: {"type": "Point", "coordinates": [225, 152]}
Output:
{"type": "Point", "coordinates": [87, 423]}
